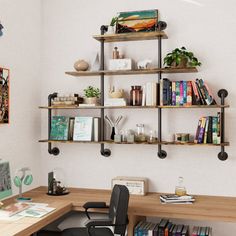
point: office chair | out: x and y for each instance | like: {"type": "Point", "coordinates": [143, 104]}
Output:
{"type": "Point", "coordinates": [117, 216]}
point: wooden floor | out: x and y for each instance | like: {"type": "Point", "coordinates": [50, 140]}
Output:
{"type": "Point", "coordinates": [210, 208]}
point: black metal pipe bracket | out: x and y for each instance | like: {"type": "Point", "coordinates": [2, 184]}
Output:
{"type": "Point", "coordinates": [104, 151]}
{"type": "Point", "coordinates": [222, 93]}
{"type": "Point", "coordinates": [53, 151]}
{"type": "Point", "coordinates": [161, 153]}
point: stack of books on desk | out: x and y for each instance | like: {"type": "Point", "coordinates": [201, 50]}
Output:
{"type": "Point", "coordinates": [172, 198]}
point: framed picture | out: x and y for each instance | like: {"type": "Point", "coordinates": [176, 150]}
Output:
{"type": "Point", "coordinates": [4, 95]}
{"type": "Point", "coordinates": [137, 21]}
{"type": "Point", "coordinates": [5, 180]}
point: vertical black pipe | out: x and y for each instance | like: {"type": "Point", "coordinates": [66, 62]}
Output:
{"type": "Point", "coordinates": [104, 152]}
{"type": "Point", "coordinates": [222, 94]}
{"type": "Point", "coordinates": [55, 151]}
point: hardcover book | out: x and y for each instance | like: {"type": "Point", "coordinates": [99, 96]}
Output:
{"type": "Point", "coordinates": [83, 128]}
{"type": "Point", "coordinates": [59, 128]}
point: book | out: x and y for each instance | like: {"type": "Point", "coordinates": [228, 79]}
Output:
{"type": "Point", "coordinates": [214, 129]}
{"type": "Point", "coordinates": [59, 128]}
{"type": "Point", "coordinates": [181, 90]}
{"type": "Point", "coordinates": [71, 128]}
{"type": "Point", "coordinates": [37, 211]}
{"type": "Point", "coordinates": [166, 88]}
{"type": "Point", "coordinates": [167, 229]}
{"type": "Point", "coordinates": [13, 209]}
{"type": "Point", "coordinates": [96, 129]}
{"type": "Point", "coordinates": [172, 198]}
{"type": "Point", "coordinates": [83, 128]}
{"type": "Point", "coordinates": [162, 225]}
{"type": "Point", "coordinates": [136, 228]}
{"type": "Point", "coordinates": [161, 92]}
{"type": "Point", "coordinates": [185, 231]}
{"type": "Point", "coordinates": [202, 130]}
{"type": "Point", "coordinates": [179, 230]}
{"type": "Point", "coordinates": [198, 130]}
{"type": "Point", "coordinates": [209, 132]}
{"type": "Point", "coordinates": [189, 93]}
{"type": "Point", "coordinates": [156, 230]}
{"type": "Point", "coordinates": [195, 231]}
{"type": "Point", "coordinates": [151, 229]}
{"type": "Point", "coordinates": [218, 127]}
{"type": "Point", "coordinates": [173, 101]}
{"type": "Point", "coordinates": [184, 92]}
{"type": "Point", "coordinates": [177, 91]}
{"type": "Point", "coordinates": [115, 102]}
{"type": "Point", "coordinates": [196, 96]}
{"type": "Point", "coordinates": [206, 130]}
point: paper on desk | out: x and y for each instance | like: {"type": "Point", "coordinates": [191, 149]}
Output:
{"type": "Point", "coordinates": [4, 217]}
{"type": "Point", "coordinates": [37, 211]}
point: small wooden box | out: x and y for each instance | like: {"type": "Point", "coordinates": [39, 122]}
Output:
{"type": "Point", "coordinates": [136, 185]}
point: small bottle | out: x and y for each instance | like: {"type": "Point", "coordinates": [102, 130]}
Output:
{"type": "Point", "coordinates": [136, 94]}
{"type": "Point", "coordinates": [180, 190]}
{"type": "Point", "coordinates": [115, 54]}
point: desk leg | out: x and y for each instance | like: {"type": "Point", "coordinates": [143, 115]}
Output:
{"type": "Point", "coordinates": [133, 220]}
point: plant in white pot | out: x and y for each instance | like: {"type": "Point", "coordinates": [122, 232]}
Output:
{"type": "Point", "coordinates": [111, 27]}
{"type": "Point", "coordinates": [91, 95]}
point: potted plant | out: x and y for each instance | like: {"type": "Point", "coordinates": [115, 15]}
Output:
{"type": "Point", "coordinates": [181, 58]}
{"type": "Point", "coordinates": [111, 27]}
{"type": "Point", "coordinates": [91, 95]}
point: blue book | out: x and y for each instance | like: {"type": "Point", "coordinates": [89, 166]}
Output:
{"type": "Point", "coordinates": [59, 128]}
{"type": "Point", "coordinates": [185, 87]}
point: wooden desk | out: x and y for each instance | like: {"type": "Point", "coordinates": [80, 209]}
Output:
{"type": "Point", "coordinates": [208, 208]}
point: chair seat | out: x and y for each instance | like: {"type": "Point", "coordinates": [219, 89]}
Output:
{"type": "Point", "coordinates": [84, 232]}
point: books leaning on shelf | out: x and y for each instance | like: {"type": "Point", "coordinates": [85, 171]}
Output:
{"type": "Point", "coordinates": [172, 198]}
{"type": "Point", "coordinates": [59, 128]}
{"type": "Point", "coordinates": [209, 130]}
{"type": "Point", "coordinates": [86, 129]}
{"type": "Point", "coordinates": [185, 93]}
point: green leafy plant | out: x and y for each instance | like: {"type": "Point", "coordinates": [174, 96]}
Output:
{"type": "Point", "coordinates": [180, 56]}
{"type": "Point", "coordinates": [91, 92]}
{"type": "Point", "coordinates": [113, 21]}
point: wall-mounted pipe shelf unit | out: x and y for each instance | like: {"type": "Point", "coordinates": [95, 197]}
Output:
{"type": "Point", "coordinates": [106, 38]}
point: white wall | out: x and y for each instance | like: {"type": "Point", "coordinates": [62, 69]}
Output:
{"type": "Point", "coordinates": [20, 52]}
{"type": "Point", "coordinates": [205, 27]}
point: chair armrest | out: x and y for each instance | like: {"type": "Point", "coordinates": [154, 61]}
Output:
{"type": "Point", "coordinates": [98, 222]}
{"type": "Point", "coordinates": [88, 205]}
{"type": "Point", "coordinates": [96, 205]}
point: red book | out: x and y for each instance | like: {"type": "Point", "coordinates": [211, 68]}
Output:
{"type": "Point", "coordinates": [189, 93]}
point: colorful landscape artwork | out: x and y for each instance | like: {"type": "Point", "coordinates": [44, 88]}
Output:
{"type": "Point", "coordinates": [4, 95]}
{"type": "Point", "coordinates": [137, 21]}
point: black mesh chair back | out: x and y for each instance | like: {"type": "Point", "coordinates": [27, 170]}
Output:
{"type": "Point", "coordinates": [118, 208]}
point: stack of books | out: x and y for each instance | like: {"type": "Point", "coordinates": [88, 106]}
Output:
{"type": "Point", "coordinates": [202, 231]}
{"type": "Point", "coordinates": [150, 94]}
{"type": "Point", "coordinates": [209, 130]}
{"type": "Point", "coordinates": [164, 228]}
{"type": "Point", "coordinates": [75, 128]}
{"type": "Point", "coordinates": [172, 198]}
{"type": "Point", "coordinates": [185, 93]}
{"type": "Point", "coordinates": [115, 102]}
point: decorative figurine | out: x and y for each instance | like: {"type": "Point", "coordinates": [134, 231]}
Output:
{"type": "Point", "coordinates": [81, 65]}
{"type": "Point", "coordinates": [144, 64]}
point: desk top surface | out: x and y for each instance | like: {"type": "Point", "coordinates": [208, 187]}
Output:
{"type": "Point", "coordinates": [205, 208]}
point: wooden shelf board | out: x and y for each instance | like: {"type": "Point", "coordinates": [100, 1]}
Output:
{"type": "Point", "coordinates": [97, 107]}
{"type": "Point", "coordinates": [132, 72]}
{"type": "Point", "coordinates": [132, 107]}
{"type": "Point", "coordinates": [139, 36]}
{"type": "Point", "coordinates": [137, 143]}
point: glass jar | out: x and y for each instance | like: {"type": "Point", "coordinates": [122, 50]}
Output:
{"type": "Point", "coordinates": [180, 190]}
{"type": "Point", "coordinates": [140, 134]}
{"type": "Point", "coordinates": [136, 94]}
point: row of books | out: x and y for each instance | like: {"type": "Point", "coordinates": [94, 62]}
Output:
{"type": "Point", "coordinates": [202, 231]}
{"type": "Point", "coordinates": [209, 130]}
{"type": "Point", "coordinates": [164, 228]}
{"type": "Point", "coordinates": [167, 228]}
{"type": "Point", "coordinates": [172, 198]}
{"type": "Point", "coordinates": [185, 93]}
{"type": "Point", "coordinates": [75, 128]}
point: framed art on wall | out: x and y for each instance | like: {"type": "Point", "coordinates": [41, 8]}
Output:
{"type": "Point", "coordinates": [4, 95]}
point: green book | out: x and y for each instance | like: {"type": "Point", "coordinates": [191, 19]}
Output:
{"type": "Point", "coordinates": [59, 128]}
